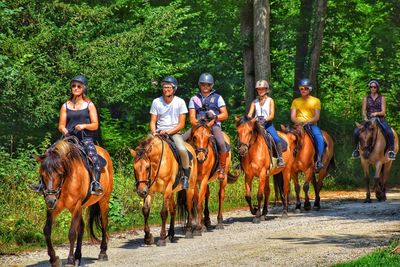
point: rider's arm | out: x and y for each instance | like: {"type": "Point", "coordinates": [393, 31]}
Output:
{"type": "Point", "coordinates": [293, 113]}
{"type": "Point", "coordinates": [271, 110]}
{"type": "Point", "coordinates": [315, 119]}
{"type": "Point", "coordinates": [251, 110]}
{"type": "Point", "coordinates": [223, 115]}
{"type": "Point", "coordinates": [383, 109]}
{"type": "Point", "coordinates": [364, 109]}
{"type": "Point", "coordinates": [62, 123]}
{"type": "Point", "coordinates": [153, 121]}
{"type": "Point", "coordinates": [192, 116]}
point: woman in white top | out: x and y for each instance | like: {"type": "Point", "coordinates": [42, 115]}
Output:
{"type": "Point", "coordinates": [264, 109]}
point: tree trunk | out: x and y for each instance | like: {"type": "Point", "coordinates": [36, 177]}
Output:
{"type": "Point", "coordinates": [320, 15]}
{"type": "Point", "coordinates": [303, 29]}
{"type": "Point", "coordinates": [246, 30]}
{"type": "Point", "coordinates": [262, 63]}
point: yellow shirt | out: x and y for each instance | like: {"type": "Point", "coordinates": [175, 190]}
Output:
{"type": "Point", "coordinates": [305, 108]}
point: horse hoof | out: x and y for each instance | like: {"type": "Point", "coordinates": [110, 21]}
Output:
{"type": "Point", "coordinates": [149, 240]}
{"type": "Point", "coordinates": [188, 234]}
{"type": "Point", "coordinates": [317, 208]}
{"type": "Point", "coordinates": [256, 220]}
{"type": "Point", "coordinates": [297, 210]}
{"type": "Point", "coordinates": [307, 208]}
{"type": "Point", "coordinates": [69, 265]}
{"type": "Point", "coordinates": [103, 257]}
{"type": "Point", "coordinates": [161, 243]}
{"type": "Point", "coordinates": [285, 214]}
{"type": "Point", "coordinates": [197, 232]}
{"type": "Point", "coordinates": [56, 263]}
{"type": "Point", "coordinates": [367, 201]}
{"type": "Point", "coordinates": [262, 218]}
{"type": "Point", "coordinates": [219, 226]}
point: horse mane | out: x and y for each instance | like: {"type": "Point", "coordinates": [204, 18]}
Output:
{"type": "Point", "coordinates": [257, 126]}
{"type": "Point", "coordinates": [143, 145]}
{"type": "Point", "coordinates": [60, 156]}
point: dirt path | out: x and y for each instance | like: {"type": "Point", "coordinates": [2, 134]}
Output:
{"type": "Point", "coordinates": [345, 228]}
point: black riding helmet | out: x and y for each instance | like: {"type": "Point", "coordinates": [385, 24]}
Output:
{"type": "Point", "coordinates": [171, 80]}
{"type": "Point", "coordinates": [81, 79]}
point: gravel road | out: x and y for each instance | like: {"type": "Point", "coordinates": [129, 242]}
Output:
{"type": "Point", "coordinates": [345, 228]}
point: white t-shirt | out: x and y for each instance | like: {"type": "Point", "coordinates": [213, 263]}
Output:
{"type": "Point", "coordinates": [168, 114]}
{"type": "Point", "coordinates": [264, 109]}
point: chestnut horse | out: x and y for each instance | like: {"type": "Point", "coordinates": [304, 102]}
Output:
{"type": "Point", "coordinates": [372, 147]}
{"type": "Point", "coordinates": [256, 161]}
{"type": "Point", "coordinates": [304, 162]}
{"type": "Point", "coordinates": [66, 186]}
{"type": "Point", "coordinates": [156, 170]}
{"type": "Point", "coordinates": [203, 141]}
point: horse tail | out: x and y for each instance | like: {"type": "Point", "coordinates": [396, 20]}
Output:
{"type": "Point", "coordinates": [278, 186]}
{"type": "Point", "coordinates": [232, 177]}
{"type": "Point", "coordinates": [94, 218]}
{"type": "Point", "coordinates": [332, 163]}
{"type": "Point", "coordinates": [182, 208]}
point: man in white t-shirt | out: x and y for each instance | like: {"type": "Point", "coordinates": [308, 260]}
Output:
{"type": "Point", "coordinates": [167, 116]}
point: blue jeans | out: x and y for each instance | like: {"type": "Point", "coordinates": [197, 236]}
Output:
{"type": "Point", "coordinates": [318, 138]}
{"type": "Point", "coordinates": [269, 127]}
{"type": "Point", "coordinates": [387, 132]}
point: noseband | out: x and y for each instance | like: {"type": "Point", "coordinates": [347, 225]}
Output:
{"type": "Point", "coordinates": [201, 149]}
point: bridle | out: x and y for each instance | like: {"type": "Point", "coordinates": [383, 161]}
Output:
{"type": "Point", "coordinates": [249, 144]}
{"type": "Point", "coordinates": [202, 149]}
{"type": "Point", "coordinates": [142, 154]}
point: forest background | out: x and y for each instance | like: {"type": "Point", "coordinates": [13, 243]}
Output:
{"type": "Point", "coordinates": [125, 47]}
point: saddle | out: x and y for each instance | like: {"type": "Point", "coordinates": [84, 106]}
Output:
{"type": "Point", "coordinates": [272, 146]}
{"type": "Point", "coordinates": [175, 152]}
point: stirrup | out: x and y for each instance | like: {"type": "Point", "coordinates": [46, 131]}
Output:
{"type": "Point", "coordinates": [96, 188]}
{"type": "Point", "coordinates": [281, 162]}
{"type": "Point", "coordinates": [319, 165]}
{"type": "Point", "coordinates": [391, 155]}
{"type": "Point", "coordinates": [185, 182]}
{"type": "Point", "coordinates": [355, 154]}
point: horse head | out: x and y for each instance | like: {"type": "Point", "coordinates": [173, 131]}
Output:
{"type": "Point", "coordinates": [367, 130]}
{"type": "Point", "coordinates": [144, 156]}
{"type": "Point", "coordinates": [55, 166]}
{"type": "Point", "coordinates": [245, 127]}
{"type": "Point", "coordinates": [201, 138]}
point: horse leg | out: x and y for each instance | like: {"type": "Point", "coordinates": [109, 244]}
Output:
{"type": "Point", "coordinates": [104, 206]}
{"type": "Point", "coordinates": [295, 176]}
{"type": "Point", "coordinates": [172, 212]}
{"type": "Point", "coordinates": [267, 191]}
{"type": "Point", "coordinates": [202, 193]}
{"type": "Point", "coordinates": [164, 215]}
{"type": "Point", "coordinates": [148, 237]}
{"type": "Point", "coordinates": [315, 183]}
{"type": "Point", "coordinates": [54, 260]}
{"type": "Point", "coordinates": [248, 184]}
{"type": "Point", "coordinates": [207, 220]}
{"type": "Point", "coordinates": [308, 174]}
{"type": "Point", "coordinates": [78, 250]}
{"type": "Point", "coordinates": [385, 175]}
{"type": "Point", "coordinates": [286, 186]}
{"type": "Point", "coordinates": [378, 181]}
{"type": "Point", "coordinates": [366, 179]}
{"type": "Point", "coordinates": [72, 235]}
{"type": "Point", "coordinates": [221, 194]}
{"type": "Point", "coordinates": [260, 196]}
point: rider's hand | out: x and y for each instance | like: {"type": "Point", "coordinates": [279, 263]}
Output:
{"type": "Point", "coordinates": [80, 127]}
{"type": "Point", "coordinates": [211, 115]}
{"type": "Point", "coordinates": [162, 132]}
{"type": "Point", "coordinates": [65, 131]}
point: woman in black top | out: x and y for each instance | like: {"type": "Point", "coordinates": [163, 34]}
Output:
{"type": "Point", "coordinates": [78, 117]}
{"type": "Point", "coordinates": [374, 106]}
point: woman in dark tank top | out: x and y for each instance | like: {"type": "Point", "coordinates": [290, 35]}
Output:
{"type": "Point", "coordinates": [78, 117]}
{"type": "Point", "coordinates": [374, 106]}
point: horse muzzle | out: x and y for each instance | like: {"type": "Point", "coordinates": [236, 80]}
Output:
{"type": "Point", "coordinates": [243, 150]}
{"type": "Point", "coordinates": [51, 202]}
{"type": "Point", "coordinates": [143, 191]}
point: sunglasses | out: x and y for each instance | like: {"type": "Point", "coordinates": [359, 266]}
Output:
{"type": "Point", "coordinates": [302, 88]}
{"type": "Point", "coordinates": [372, 86]}
{"type": "Point", "coordinates": [77, 85]}
{"type": "Point", "coordinates": [205, 84]}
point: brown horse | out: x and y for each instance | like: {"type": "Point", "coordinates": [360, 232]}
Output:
{"type": "Point", "coordinates": [156, 170]}
{"type": "Point", "coordinates": [372, 147]}
{"type": "Point", "coordinates": [66, 186]}
{"type": "Point", "coordinates": [203, 141]}
{"type": "Point", "coordinates": [304, 162]}
{"type": "Point", "coordinates": [256, 161]}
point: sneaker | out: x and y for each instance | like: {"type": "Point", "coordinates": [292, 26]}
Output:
{"type": "Point", "coordinates": [280, 162]}
{"type": "Point", "coordinates": [391, 155]}
{"type": "Point", "coordinates": [356, 154]}
{"type": "Point", "coordinates": [318, 165]}
{"type": "Point", "coordinates": [96, 188]}
{"type": "Point", "coordinates": [37, 188]}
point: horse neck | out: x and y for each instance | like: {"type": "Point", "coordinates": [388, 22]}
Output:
{"type": "Point", "coordinates": [305, 143]}
{"type": "Point", "coordinates": [379, 140]}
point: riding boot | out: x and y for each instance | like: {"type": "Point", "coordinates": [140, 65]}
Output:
{"type": "Point", "coordinates": [356, 153]}
{"type": "Point", "coordinates": [37, 188]}
{"type": "Point", "coordinates": [281, 162]}
{"type": "Point", "coordinates": [318, 164]}
{"type": "Point", "coordinates": [222, 164]}
{"type": "Point", "coordinates": [185, 178]}
{"type": "Point", "coordinates": [96, 188]}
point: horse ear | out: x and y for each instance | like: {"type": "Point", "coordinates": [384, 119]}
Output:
{"type": "Point", "coordinates": [133, 152]}
{"type": "Point", "coordinates": [283, 128]}
{"type": "Point", "coordinates": [237, 119]}
{"type": "Point", "coordinates": [358, 125]}
{"type": "Point", "coordinates": [39, 158]}
{"type": "Point", "coordinates": [253, 120]}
